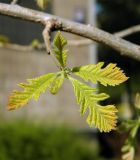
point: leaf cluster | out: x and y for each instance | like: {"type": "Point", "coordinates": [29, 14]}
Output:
{"type": "Point", "coordinates": [102, 117]}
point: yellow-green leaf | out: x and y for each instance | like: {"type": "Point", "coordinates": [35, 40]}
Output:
{"type": "Point", "coordinates": [57, 83]}
{"type": "Point", "coordinates": [110, 75]}
{"type": "Point", "coordinates": [31, 90]}
{"type": "Point", "coordinates": [102, 117]}
{"type": "Point", "coordinates": [137, 101]}
{"type": "Point", "coordinates": [59, 41]}
{"type": "Point", "coordinates": [60, 52]}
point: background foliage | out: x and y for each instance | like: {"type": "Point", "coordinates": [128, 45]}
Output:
{"type": "Point", "coordinates": [27, 141]}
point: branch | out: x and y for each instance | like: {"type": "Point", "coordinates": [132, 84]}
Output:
{"type": "Point", "coordinates": [42, 46]}
{"type": "Point", "coordinates": [123, 33]}
{"type": "Point", "coordinates": [87, 31]}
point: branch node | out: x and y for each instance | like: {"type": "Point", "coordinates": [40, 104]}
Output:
{"type": "Point", "coordinates": [50, 25]}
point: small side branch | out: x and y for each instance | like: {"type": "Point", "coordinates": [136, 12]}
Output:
{"type": "Point", "coordinates": [47, 37]}
{"type": "Point", "coordinates": [17, 47]}
{"type": "Point", "coordinates": [129, 31]}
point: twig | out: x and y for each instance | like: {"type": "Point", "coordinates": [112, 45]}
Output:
{"type": "Point", "coordinates": [122, 46]}
{"type": "Point", "coordinates": [128, 31]}
{"type": "Point", "coordinates": [47, 37]}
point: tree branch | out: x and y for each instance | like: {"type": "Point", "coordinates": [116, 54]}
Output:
{"type": "Point", "coordinates": [87, 31]}
{"type": "Point", "coordinates": [123, 33]}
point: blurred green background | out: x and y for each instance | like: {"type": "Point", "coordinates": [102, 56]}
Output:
{"type": "Point", "coordinates": [28, 141]}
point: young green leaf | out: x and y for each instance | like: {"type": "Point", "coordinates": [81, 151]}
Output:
{"type": "Point", "coordinates": [32, 90]}
{"type": "Point", "coordinates": [57, 83]}
{"type": "Point", "coordinates": [137, 101]}
{"type": "Point", "coordinates": [42, 3]}
{"type": "Point", "coordinates": [60, 52]}
{"type": "Point", "coordinates": [128, 149]}
{"type": "Point", "coordinates": [128, 152]}
{"type": "Point", "coordinates": [110, 75]}
{"type": "Point", "coordinates": [134, 130]}
{"type": "Point", "coordinates": [103, 118]}
{"type": "Point", "coordinates": [127, 125]}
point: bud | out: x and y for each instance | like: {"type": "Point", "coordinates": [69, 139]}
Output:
{"type": "Point", "coordinates": [42, 4]}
